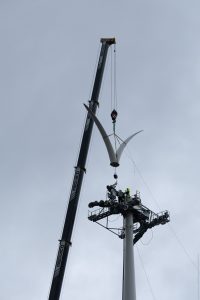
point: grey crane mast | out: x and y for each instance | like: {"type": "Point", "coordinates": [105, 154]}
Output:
{"type": "Point", "coordinates": [65, 241]}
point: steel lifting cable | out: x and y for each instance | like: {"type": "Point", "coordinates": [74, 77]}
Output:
{"type": "Point", "coordinates": [113, 98]}
{"type": "Point", "coordinates": [115, 85]}
{"type": "Point", "coordinates": [113, 88]}
{"type": "Point", "coordinates": [115, 78]}
{"type": "Point", "coordinates": [111, 80]}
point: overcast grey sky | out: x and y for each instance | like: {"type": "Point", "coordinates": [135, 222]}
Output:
{"type": "Point", "coordinates": [48, 56]}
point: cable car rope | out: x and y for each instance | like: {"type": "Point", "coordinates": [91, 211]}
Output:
{"type": "Point", "coordinates": [149, 241]}
{"type": "Point", "coordinates": [171, 229]}
{"type": "Point", "coordinates": [146, 275]}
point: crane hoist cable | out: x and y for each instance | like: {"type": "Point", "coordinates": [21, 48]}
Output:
{"type": "Point", "coordinates": [114, 112]}
{"type": "Point", "coordinates": [113, 79]}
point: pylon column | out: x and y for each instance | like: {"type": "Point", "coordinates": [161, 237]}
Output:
{"type": "Point", "coordinates": [129, 290]}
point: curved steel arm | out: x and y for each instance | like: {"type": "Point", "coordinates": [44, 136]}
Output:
{"type": "Point", "coordinates": [123, 145]}
{"type": "Point", "coordinates": [114, 157]}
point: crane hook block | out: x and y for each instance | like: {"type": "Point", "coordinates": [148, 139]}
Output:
{"type": "Point", "coordinates": [114, 115]}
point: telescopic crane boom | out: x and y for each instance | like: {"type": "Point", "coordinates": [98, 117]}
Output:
{"type": "Point", "coordinates": [65, 241]}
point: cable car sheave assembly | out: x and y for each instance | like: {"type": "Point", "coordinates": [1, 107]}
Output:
{"type": "Point", "coordinates": [119, 202]}
{"type": "Point", "coordinates": [137, 218]}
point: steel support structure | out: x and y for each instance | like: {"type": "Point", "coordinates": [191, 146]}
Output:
{"type": "Point", "coordinates": [65, 241]}
{"type": "Point", "coordinates": [137, 219]}
{"type": "Point", "coordinates": [129, 289]}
